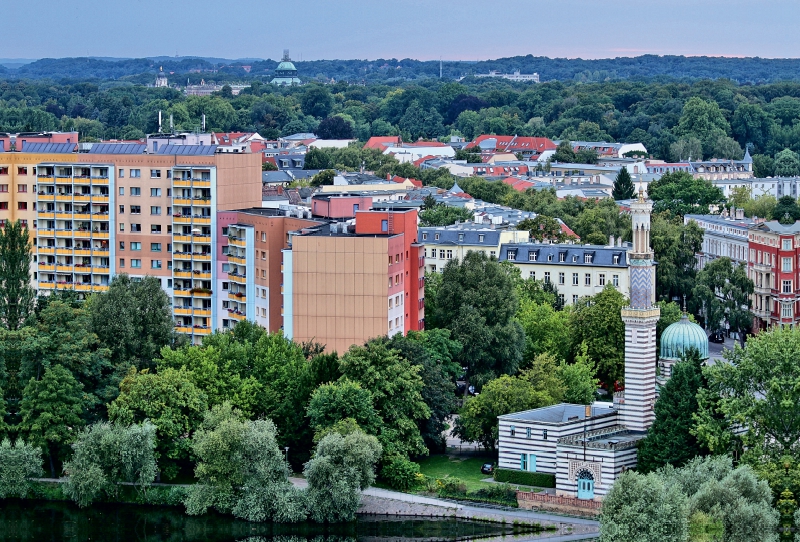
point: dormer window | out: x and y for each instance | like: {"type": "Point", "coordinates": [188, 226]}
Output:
{"type": "Point", "coordinates": [480, 238]}
{"type": "Point", "coordinates": [460, 237]}
{"type": "Point", "coordinates": [436, 237]}
{"type": "Point", "coordinates": [616, 259]}
{"type": "Point", "coordinates": [532, 256]}
{"type": "Point", "coordinates": [574, 257]}
{"type": "Point", "coordinates": [512, 254]}
{"type": "Point", "coordinates": [562, 256]}
{"type": "Point", "coordinates": [587, 258]}
{"type": "Point", "coordinates": [549, 257]}
{"type": "Point", "coordinates": [424, 236]}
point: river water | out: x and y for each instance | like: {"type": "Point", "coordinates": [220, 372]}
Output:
{"type": "Point", "coordinates": [29, 521]}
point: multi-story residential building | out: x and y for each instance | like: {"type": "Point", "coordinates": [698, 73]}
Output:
{"type": "Point", "coordinates": [723, 236]}
{"type": "Point", "coordinates": [442, 244]}
{"type": "Point", "coordinates": [575, 270]}
{"type": "Point", "coordinates": [773, 261]}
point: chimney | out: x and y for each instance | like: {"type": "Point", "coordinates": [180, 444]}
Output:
{"type": "Point", "coordinates": [739, 214]}
{"type": "Point", "coordinates": [588, 411]}
{"type": "Point", "coordinates": [611, 240]}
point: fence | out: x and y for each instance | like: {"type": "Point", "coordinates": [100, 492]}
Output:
{"type": "Point", "coordinates": [570, 505]}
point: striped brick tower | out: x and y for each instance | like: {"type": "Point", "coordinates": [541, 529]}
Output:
{"type": "Point", "coordinates": [640, 325]}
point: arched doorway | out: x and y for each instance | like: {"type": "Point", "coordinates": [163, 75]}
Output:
{"type": "Point", "coordinates": [585, 485]}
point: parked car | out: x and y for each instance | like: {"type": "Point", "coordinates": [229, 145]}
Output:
{"type": "Point", "coordinates": [717, 337]}
{"type": "Point", "coordinates": [487, 468]}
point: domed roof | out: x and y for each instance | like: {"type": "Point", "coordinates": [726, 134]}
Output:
{"type": "Point", "coordinates": [680, 337]}
{"type": "Point", "coordinates": [286, 66]}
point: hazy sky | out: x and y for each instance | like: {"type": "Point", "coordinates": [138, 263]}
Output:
{"type": "Point", "coordinates": [423, 29]}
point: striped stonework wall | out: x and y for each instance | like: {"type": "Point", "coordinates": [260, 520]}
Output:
{"type": "Point", "coordinates": [605, 464]}
{"type": "Point", "coordinates": [640, 368]}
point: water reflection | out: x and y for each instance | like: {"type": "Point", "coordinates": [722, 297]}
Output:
{"type": "Point", "coordinates": [31, 521]}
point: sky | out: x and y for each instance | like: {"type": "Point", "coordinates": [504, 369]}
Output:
{"type": "Point", "coordinates": [420, 29]}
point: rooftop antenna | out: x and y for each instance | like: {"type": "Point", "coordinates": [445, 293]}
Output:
{"type": "Point", "coordinates": [159, 121]}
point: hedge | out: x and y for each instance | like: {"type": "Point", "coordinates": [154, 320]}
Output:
{"type": "Point", "coordinates": [525, 478]}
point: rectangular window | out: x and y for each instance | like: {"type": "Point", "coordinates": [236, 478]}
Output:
{"type": "Point", "coordinates": [3, 188]}
{"type": "Point", "coordinates": [424, 236]}
{"type": "Point", "coordinates": [786, 244]}
{"type": "Point", "coordinates": [602, 279]}
{"type": "Point", "coordinates": [616, 259]}
{"type": "Point", "coordinates": [122, 209]}
{"type": "Point", "coordinates": [121, 226]}
{"type": "Point", "coordinates": [22, 188]}
{"type": "Point", "coordinates": [787, 287]}
{"type": "Point", "coordinates": [449, 254]}
{"type": "Point", "coordinates": [136, 246]}
{"type": "Point", "coordinates": [155, 210]}
{"type": "Point", "coordinates": [512, 255]}
{"type": "Point", "coordinates": [562, 256]}
{"type": "Point", "coordinates": [136, 173]}
{"type": "Point", "coordinates": [480, 238]}
{"type": "Point", "coordinates": [532, 463]}
{"type": "Point", "coordinates": [122, 262]}
{"type": "Point", "coordinates": [615, 281]}
{"type": "Point", "coordinates": [121, 190]}
{"type": "Point", "coordinates": [574, 299]}
{"type": "Point", "coordinates": [121, 174]}
{"type": "Point", "coordinates": [441, 254]}
{"type": "Point", "coordinates": [135, 190]}
{"type": "Point", "coordinates": [122, 245]}
{"type": "Point", "coordinates": [384, 225]}
{"type": "Point", "coordinates": [574, 279]}
{"type": "Point", "coordinates": [561, 299]}
{"type": "Point", "coordinates": [22, 205]}
{"type": "Point", "coordinates": [3, 206]}
{"type": "Point", "coordinates": [547, 277]}
{"type": "Point", "coordinates": [532, 256]}
{"type": "Point", "coordinates": [523, 461]}
{"type": "Point", "coordinates": [786, 265]}
{"type": "Point", "coordinates": [527, 432]}
{"type": "Point", "coordinates": [155, 247]}
{"type": "Point", "coordinates": [155, 173]}
{"type": "Point", "coordinates": [532, 275]}
{"type": "Point", "coordinates": [587, 258]}
{"type": "Point", "coordinates": [561, 278]}
{"type": "Point", "coordinates": [513, 431]}
{"type": "Point", "coordinates": [136, 263]}
{"type": "Point", "coordinates": [136, 209]}
{"type": "Point", "coordinates": [22, 171]}
{"type": "Point", "coordinates": [787, 311]}
{"type": "Point", "coordinates": [155, 264]}
{"type": "Point", "coordinates": [155, 228]}
{"type": "Point", "coordinates": [544, 434]}
{"type": "Point", "coordinates": [587, 279]}
{"type": "Point", "coordinates": [136, 227]}
{"type": "Point", "coordinates": [155, 192]}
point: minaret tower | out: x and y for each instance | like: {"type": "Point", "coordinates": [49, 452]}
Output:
{"type": "Point", "coordinates": [640, 325]}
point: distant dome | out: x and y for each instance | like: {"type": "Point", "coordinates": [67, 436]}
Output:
{"type": "Point", "coordinates": [680, 337]}
{"type": "Point", "coordinates": [286, 67]}
{"type": "Point", "coordinates": [286, 73]}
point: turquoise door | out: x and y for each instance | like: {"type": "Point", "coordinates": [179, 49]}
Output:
{"type": "Point", "coordinates": [585, 485]}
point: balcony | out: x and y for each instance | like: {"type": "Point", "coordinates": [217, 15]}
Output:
{"type": "Point", "coordinates": [64, 251]}
{"type": "Point", "coordinates": [201, 330]}
{"type": "Point", "coordinates": [182, 274]}
{"type": "Point", "coordinates": [236, 315]}
{"type": "Point", "coordinates": [83, 252]}
{"type": "Point", "coordinates": [762, 289]}
{"type": "Point", "coordinates": [83, 216]}
{"type": "Point", "coordinates": [181, 201]}
{"type": "Point", "coordinates": [183, 329]}
{"type": "Point", "coordinates": [46, 285]}
{"type": "Point", "coordinates": [43, 232]}
{"type": "Point", "coordinates": [46, 250]}
{"type": "Point", "coordinates": [46, 267]}
{"type": "Point", "coordinates": [99, 198]}
{"type": "Point", "coordinates": [64, 197]}
{"type": "Point", "coordinates": [237, 242]}
{"type": "Point", "coordinates": [63, 179]}
{"type": "Point", "coordinates": [99, 235]}
{"type": "Point", "coordinates": [46, 197]}
{"type": "Point", "coordinates": [100, 270]}
{"type": "Point", "coordinates": [181, 255]}
{"type": "Point", "coordinates": [46, 214]}
{"type": "Point", "coordinates": [238, 297]}
{"type": "Point", "coordinates": [200, 293]}
{"type": "Point", "coordinates": [63, 233]}
{"type": "Point", "coordinates": [202, 312]}
{"type": "Point", "coordinates": [201, 183]}
{"type": "Point", "coordinates": [81, 180]}
{"type": "Point", "coordinates": [762, 267]}
{"type": "Point", "coordinates": [237, 260]}
{"type": "Point", "coordinates": [238, 279]}
{"type": "Point", "coordinates": [82, 197]}
{"type": "Point", "coordinates": [99, 180]}
{"type": "Point", "coordinates": [182, 293]}
{"type": "Point", "coordinates": [62, 268]}
{"type": "Point", "coordinates": [201, 274]}
{"type": "Point", "coordinates": [185, 311]}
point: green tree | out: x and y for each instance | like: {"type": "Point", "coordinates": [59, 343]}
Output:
{"type": "Point", "coordinates": [51, 410]}
{"type": "Point", "coordinates": [547, 330]}
{"type": "Point", "coordinates": [751, 124]}
{"type": "Point", "coordinates": [443, 215]}
{"type": "Point", "coordinates": [336, 401]}
{"type": "Point", "coordinates": [623, 185]}
{"type": "Point", "coordinates": [761, 206]}
{"type": "Point", "coordinates": [477, 420]}
{"type": "Point", "coordinates": [564, 153]}
{"type": "Point", "coordinates": [725, 291]}
{"type": "Point", "coordinates": [335, 127]}
{"type": "Point", "coordinates": [318, 159]}
{"type": "Point", "coordinates": [19, 463]}
{"type": "Point", "coordinates": [543, 228]}
{"type": "Point", "coordinates": [704, 120]}
{"type": "Point", "coordinates": [596, 322]}
{"type": "Point", "coordinates": [740, 197]}
{"type": "Point", "coordinates": [680, 193]}
{"type": "Point", "coordinates": [787, 164]}
{"type": "Point", "coordinates": [396, 389]}
{"type": "Point", "coordinates": [670, 440]}
{"type": "Point", "coordinates": [477, 301]}
{"type": "Point", "coordinates": [579, 379]}
{"type": "Point", "coordinates": [106, 455]}
{"type": "Point", "coordinates": [786, 211]}
{"type": "Point", "coordinates": [686, 148]}
{"type": "Point", "coordinates": [16, 293]}
{"type": "Point", "coordinates": [323, 178]}
{"type": "Point", "coordinates": [133, 319]}
{"type": "Point", "coordinates": [341, 468]}
{"type": "Point", "coordinates": [171, 401]}
{"type": "Point", "coordinates": [763, 166]}
{"type": "Point", "coordinates": [642, 508]}
{"type": "Point", "coordinates": [316, 101]}
{"type": "Point", "coordinates": [674, 246]}
{"type": "Point", "coordinates": [241, 470]}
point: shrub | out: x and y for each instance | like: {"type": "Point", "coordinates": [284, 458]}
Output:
{"type": "Point", "coordinates": [19, 462]}
{"type": "Point", "coordinates": [451, 487]}
{"type": "Point", "coordinates": [524, 478]}
{"type": "Point", "coordinates": [400, 473]}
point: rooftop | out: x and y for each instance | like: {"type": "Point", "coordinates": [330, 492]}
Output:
{"type": "Point", "coordinates": [566, 254]}
{"type": "Point", "coordinates": [560, 414]}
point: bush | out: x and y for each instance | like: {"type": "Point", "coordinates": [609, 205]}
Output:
{"type": "Point", "coordinates": [400, 473]}
{"type": "Point", "coordinates": [451, 487]}
{"type": "Point", "coordinates": [524, 478]}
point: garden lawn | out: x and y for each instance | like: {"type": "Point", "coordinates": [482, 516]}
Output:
{"type": "Point", "coordinates": [466, 469]}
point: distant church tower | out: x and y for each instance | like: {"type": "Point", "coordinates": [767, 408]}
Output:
{"type": "Point", "coordinates": [161, 78]}
{"type": "Point", "coordinates": [640, 325]}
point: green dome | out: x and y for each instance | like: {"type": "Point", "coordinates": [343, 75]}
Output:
{"type": "Point", "coordinates": [680, 337]}
{"type": "Point", "coordinates": [285, 66]}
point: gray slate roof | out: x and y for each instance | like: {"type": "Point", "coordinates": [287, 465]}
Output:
{"type": "Point", "coordinates": [573, 254]}
{"type": "Point", "coordinates": [557, 414]}
{"type": "Point", "coordinates": [463, 236]}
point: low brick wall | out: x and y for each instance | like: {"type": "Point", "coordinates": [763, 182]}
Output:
{"type": "Point", "coordinates": [528, 500]}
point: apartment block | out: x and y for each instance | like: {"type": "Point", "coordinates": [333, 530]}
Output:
{"type": "Point", "coordinates": [773, 266]}
{"type": "Point", "coordinates": [442, 244]}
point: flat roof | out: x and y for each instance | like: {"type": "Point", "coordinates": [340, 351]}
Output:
{"type": "Point", "coordinates": [559, 414]}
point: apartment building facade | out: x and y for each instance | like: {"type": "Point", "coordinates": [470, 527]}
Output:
{"type": "Point", "coordinates": [575, 270]}
{"type": "Point", "coordinates": [723, 237]}
{"type": "Point", "coordinates": [773, 266]}
{"type": "Point", "coordinates": [442, 244]}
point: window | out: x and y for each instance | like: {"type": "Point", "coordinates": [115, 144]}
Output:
{"type": "Point", "coordinates": [155, 173]}
{"type": "Point", "coordinates": [122, 209]}
{"type": "Point", "coordinates": [22, 171]}
{"type": "Point", "coordinates": [544, 434]}
{"type": "Point", "coordinates": [441, 254]}
{"type": "Point", "coordinates": [155, 228]}
{"type": "Point", "coordinates": [787, 287]}
{"type": "Point", "coordinates": [136, 209]}
{"type": "Point", "coordinates": [3, 188]}
{"type": "Point", "coordinates": [786, 265]}
{"type": "Point", "coordinates": [602, 279]}
{"type": "Point", "coordinates": [449, 254]}
{"type": "Point", "coordinates": [549, 257]}
{"type": "Point", "coordinates": [527, 432]}
{"type": "Point", "coordinates": [122, 262]}
{"type": "Point", "coordinates": [121, 174]}
{"type": "Point", "coordinates": [616, 259]}
{"type": "Point", "coordinates": [547, 277]}
{"type": "Point", "coordinates": [436, 237]}
{"type": "Point", "coordinates": [561, 299]}
{"type": "Point", "coordinates": [155, 247]}
{"type": "Point", "coordinates": [532, 256]}
{"type": "Point", "coordinates": [155, 264]}
{"type": "Point", "coordinates": [587, 258]}
{"type": "Point", "coordinates": [574, 279]}
{"type": "Point", "coordinates": [3, 171]}
{"type": "Point", "coordinates": [122, 245]}
{"type": "Point", "coordinates": [22, 205]}
{"type": "Point", "coordinates": [532, 463]}
{"type": "Point", "coordinates": [574, 299]}
{"type": "Point", "coordinates": [3, 206]}
{"type": "Point", "coordinates": [480, 238]}
{"type": "Point", "coordinates": [513, 431]}
{"type": "Point", "coordinates": [384, 225]}
{"type": "Point", "coordinates": [121, 226]}
{"type": "Point", "coordinates": [424, 236]}
{"type": "Point", "coordinates": [786, 311]}
{"type": "Point", "coordinates": [523, 461]}
{"type": "Point", "coordinates": [155, 210]}
{"type": "Point", "coordinates": [136, 173]}
{"type": "Point", "coordinates": [136, 227]}
{"type": "Point", "coordinates": [492, 253]}
{"type": "Point", "coordinates": [155, 192]}
{"type": "Point", "coordinates": [136, 263]}
{"type": "Point", "coordinates": [615, 281]}
{"type": "Point", "coordinates": [561, 278]}
{"type": "Point", "coordinates": [512, 254]}
{"type": "Point", "coordinates": [263, 255]}
{"type": "Point", "coordinates": [786, 244]}
{"type": "Point", "coordinates": [136, 246]}
{"type": "Point", "coordinates": [135, 190]}
{"type": "Point", "coordinates": [532, 275]}
{"type": "Point", "coordinates": [460, 237]}
{"type": "Point", "coordinates": [22, 188]}
{"type": "Point", "coordinates": [562, 256]}
{"type": "Point", "coordinates": [587, 279]}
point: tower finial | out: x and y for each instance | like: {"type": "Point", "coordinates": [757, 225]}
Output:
{"type": "Point", "coordinates": [641, 193]}
{"type": "Point", "coordinates": [684, 304]}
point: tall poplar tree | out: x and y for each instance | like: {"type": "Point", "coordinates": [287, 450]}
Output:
{"type": "Point", "coordinates": [16, 293]}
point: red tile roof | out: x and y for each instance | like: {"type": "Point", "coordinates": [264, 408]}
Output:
{"type": "Point", "coordinates": [381, 142]}
{"type": "Point", "coordinates": [534, 145]}
{"type": "Point", "coordinates": [401, 180]}
{"type": "Point", "coordinates": [418, 162]}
